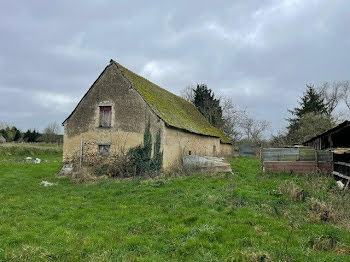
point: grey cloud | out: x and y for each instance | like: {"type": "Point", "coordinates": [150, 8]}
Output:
{"type": "Point", "coordinates": [258, 53]}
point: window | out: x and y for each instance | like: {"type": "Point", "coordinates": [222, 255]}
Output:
{"type": "Point", "coordinates": [214, 149]}
{"type": "Point", "coordinates": [189, 152]}
{"type": "Point", "coordinates": [104, 149]}
{"type": "Point", "coordinates": [105, 116]}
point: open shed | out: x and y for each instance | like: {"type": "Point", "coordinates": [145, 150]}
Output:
{"type": "Point", "coordinates": [337, 137]}
{"type": "Point", "coordinates": [336, 140]}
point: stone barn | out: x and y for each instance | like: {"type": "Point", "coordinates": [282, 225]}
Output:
{"type": "Point", "coordinates": [112, 116]}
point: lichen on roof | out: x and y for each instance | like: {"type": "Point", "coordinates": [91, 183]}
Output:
{"type": "Point", "coordinates": [174, 110]}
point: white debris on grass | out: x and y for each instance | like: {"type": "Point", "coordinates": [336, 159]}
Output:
{"type": "Point", "coordinates": [340, 184]}
{"type": "Point", "coordinates": [46, 183]}
{"type": "Point", "coordinates": [37, 161]}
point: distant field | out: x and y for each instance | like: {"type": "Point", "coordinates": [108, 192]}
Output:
{"type": "Point", "coordinates": [29, 149]}
{"type": "Point", "coordinates": [234, 217]}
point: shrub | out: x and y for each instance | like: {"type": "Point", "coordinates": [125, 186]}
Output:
{"type": "Point", "coordinates": [83, 175]}
{"type": "Point", "coordinates": [322, 211]}
{"type": "Point", "coordinates": [138, 161]}
{"type": "Point", "coordinates": [157, 161]}
{"type": "Point", "coordinates": [114, 166]}
{"type": "Point", "coordinates": [140, 156]}
{"type": "Point", "coordinates": [324, 242]}
{"type": "Point", "coordinates": [292, 191]}
{"type": "Point", "coordinates": [122, 167]}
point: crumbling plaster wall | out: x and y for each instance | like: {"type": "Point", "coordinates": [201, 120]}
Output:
{"type": "Point", "coordinates": [130, 113]}
{"type": "Point", "coordinates": [178, 143]}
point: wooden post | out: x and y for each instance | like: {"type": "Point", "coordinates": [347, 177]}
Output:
{"type": "Point", "coordinates": [332, 160]}
{"type": "Point", "coordinates": [261, 160]}
{"type": "Point", "coordinates": [81, 150]}
{"type": "Point", "coordinates": [346, 185]}
{"type": "Point", "coordinates": [316, 160]}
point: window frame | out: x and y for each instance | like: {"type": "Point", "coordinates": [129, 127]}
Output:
{"type": "Point", "coordinates": [100, 115]}
{"type": "Point", "coordinates": [107, 152]}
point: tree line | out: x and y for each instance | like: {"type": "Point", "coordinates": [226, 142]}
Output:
{"type": "Point", "coordinates": [235, 123]}
{"type": "Point", "coordinates": [316, 112]}
{"type": "Point", "coordinates": [49, 135]}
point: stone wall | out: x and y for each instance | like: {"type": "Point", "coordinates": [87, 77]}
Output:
{"type": "Point", "coordinates": [226, 150]}
{"type": "Point", "coordinates": [178, 143]}
{"type": "Point", "coordinates": [130, 114]}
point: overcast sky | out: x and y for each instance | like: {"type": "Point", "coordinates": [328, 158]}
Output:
{"type": "Point", "coordinates": [258, 53]}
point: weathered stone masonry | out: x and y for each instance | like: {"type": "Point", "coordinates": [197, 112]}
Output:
{"type": "Point", "coordinates": [130, 113]}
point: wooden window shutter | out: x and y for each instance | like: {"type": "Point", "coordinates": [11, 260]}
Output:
{"type": "Point", "coordinates": [105, 116]}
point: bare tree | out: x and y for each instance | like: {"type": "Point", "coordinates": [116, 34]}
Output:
{"type": "Point", "coordinates": [232, 117]}
{"type": "Point", "coordinates": [254, 129]}
{"type": "Point", "coordinates": [3, 125]}
{"type": "Point", "coordinates": [236, 122]}
{"type": "Point", "coordinates": [345, 91]}
{"type": "Point", "coordinates": [279, 139]}
{"type": "Point", "coordinates": [50, 133]}
{"type": "Point", "coordinates": [332, 94]}
{"type": "Point", "coordinates": [187, 93]}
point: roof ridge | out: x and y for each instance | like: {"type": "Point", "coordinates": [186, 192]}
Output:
{"type": "Point", "coordinates": [117, 64]}
{"type": "Point", "coordinates": [174, 110]}
{"type": "Point", "coordinates": [171, 108]}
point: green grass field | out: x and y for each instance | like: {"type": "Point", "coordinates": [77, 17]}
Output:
{"type": "Point", "coordinates": [26, 149]}
{"type": "Point", "coordinates": [222, 217]}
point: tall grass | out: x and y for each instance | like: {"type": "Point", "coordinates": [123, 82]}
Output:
{"type": "Point", "coordinates": [29, 149]}
{"type": "Point", "coordinates": [219, 217]}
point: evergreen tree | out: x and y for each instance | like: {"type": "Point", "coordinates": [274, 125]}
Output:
{"type": "Point", "coordinates": [312, 102]}
{"type": "Point", "coordinates": [157, 161]}
{"type": "Point", "coordinates": [16, 134]}
{"type": "Point", "coordinates": [31, 136]}
{"type": "Point", "coordinates": [208, 105]}
{"type": "Point", "coordinates": [147, 142]}
{"type": "Point", "coordinates": [141, 156]}
{"type": "Point", "coordinates": [10, 134]}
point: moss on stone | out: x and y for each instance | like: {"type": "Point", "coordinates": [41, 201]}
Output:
{"type": "Point", "coordinates": [174, 110]}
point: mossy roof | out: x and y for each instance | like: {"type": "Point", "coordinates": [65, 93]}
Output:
{"type": "Point", "coordinates": [172, 109]}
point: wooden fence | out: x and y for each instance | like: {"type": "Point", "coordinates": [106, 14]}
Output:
{"type": "Point", "coordinates": [296, 160]}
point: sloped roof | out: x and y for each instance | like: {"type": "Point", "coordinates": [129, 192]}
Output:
{"type": "Point", "coordinates": [174, 110]}
{"type": "Point", "coordinates": [346, 123]}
